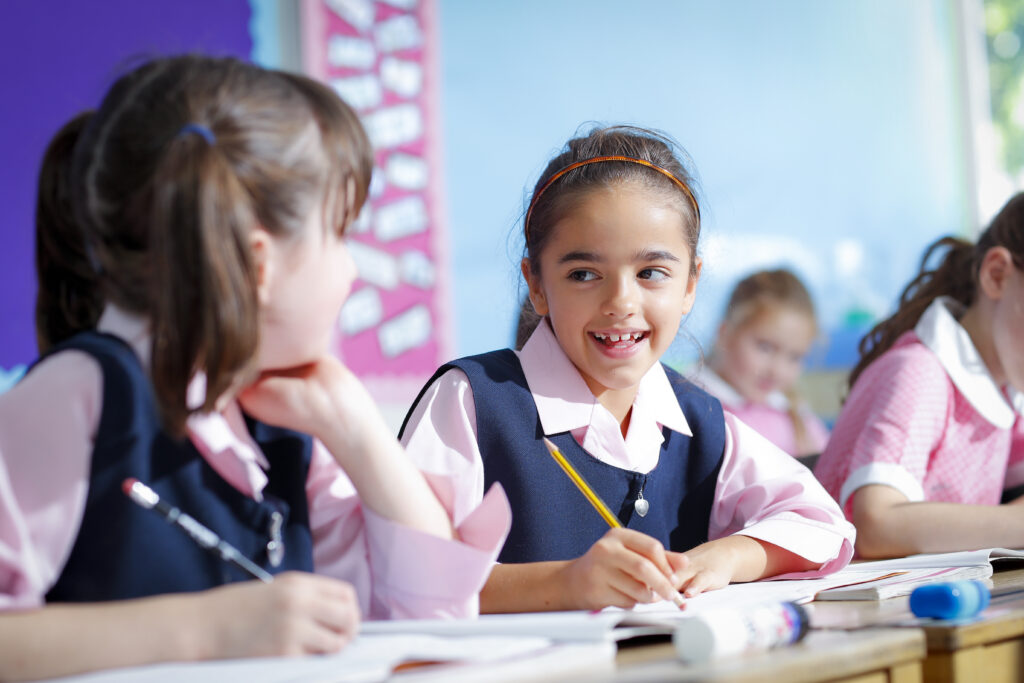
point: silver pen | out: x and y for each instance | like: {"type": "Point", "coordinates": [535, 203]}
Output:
{"type": "Point", "coordinates": [148, 498]}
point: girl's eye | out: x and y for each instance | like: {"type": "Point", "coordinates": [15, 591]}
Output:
{"type": "Point", "coordinates": [581, 275]}
{"type": "Point", "coordinates": [765, 347]}
{"type": "Point", "coordinates": [652, 274]}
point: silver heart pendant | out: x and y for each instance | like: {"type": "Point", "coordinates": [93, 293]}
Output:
{"type": "Point", "coordinates": [641, 506]}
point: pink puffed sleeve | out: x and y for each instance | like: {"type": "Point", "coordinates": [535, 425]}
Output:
{"type": "Point", "coordinates": [47, 425]}
{"type": "Point", "coordinates": [891, 422]}
{"type": "Point", "coordinates": [764, 493]}
{"type": "Point", "coordinates": [441, 439]}
{"type": "Point", "coordinates": [397, 571]}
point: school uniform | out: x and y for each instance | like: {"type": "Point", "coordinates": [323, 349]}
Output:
{"type": "Point", "coordinates": [754, 488]}
{"type": "Point", "coordinates": [927, 419]}
{"type": "Point", "coordinates": [771, 419]}
{"type": "Point", "coordinates": [82, 419]}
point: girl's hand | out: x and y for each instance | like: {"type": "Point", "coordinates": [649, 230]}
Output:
{"type": "Point", "coordinates": [297, 614]}
{"type": "Point", "coordinates": [710, 566]}
{"type": "Point", "coordinates": [623, 568]}
{"type": "Point", "coordinates": [318, 398]}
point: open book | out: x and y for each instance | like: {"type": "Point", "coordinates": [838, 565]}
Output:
{"type": "Point", "coordinates": [903, 575]}
{"type": "Point", "coordinates": [861, 581]}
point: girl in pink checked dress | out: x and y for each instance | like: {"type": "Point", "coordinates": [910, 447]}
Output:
{"type": "Point", "coordinates": [768, 327]}
{"type": "Point", "coordinates": [192, 264]}
{"type": "Point", "coordinates": [931, 432]}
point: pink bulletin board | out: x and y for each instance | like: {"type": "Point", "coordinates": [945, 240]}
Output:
{"type": "Point", "coordinates": [381, 57]}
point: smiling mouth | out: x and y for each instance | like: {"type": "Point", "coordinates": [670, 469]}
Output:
{"type": "Point", "coordinates": [620, 340]}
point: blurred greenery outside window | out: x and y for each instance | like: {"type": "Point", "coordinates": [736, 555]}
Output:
{"type": "Point", "coordinates": [1004, 45]}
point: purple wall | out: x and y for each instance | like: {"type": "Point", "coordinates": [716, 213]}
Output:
{"type": "Point", "coordinates": [56, 58]}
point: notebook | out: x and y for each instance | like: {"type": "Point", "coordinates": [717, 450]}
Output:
{"type": "Point", "coordinates": [905, 574]}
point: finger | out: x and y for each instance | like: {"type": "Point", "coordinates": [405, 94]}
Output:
{"type": "Point", "coordinates": [635, 590]}
{"type": "Point", "coordinates": [678, 561]}
{"type": "Point", "coordinates": [650, 548]}
{"type": "Point", "coordinates": [317, 640]}
{"type": "Point", "coordinates": [701, 582]}
{"type": "Point", "coordinates": [647, 573]}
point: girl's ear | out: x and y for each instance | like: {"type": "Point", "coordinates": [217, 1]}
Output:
{"type": "Point", "coordinates": [691, 286]}
{"type": "Point", "coordinates": [262, 245]}
{"type": "Point", "coordinates": [994, 272]}
{"type": "Point", "coordinates": [537, 297]}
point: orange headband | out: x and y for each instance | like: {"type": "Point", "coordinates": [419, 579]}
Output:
{"type": "Point", "coordinates": [594, 160]}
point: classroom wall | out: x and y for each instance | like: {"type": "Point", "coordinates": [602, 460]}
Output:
{"type": "Point", "coordinates": [825, 133]}
{"type": "Point", "coordinates": [57, 57]}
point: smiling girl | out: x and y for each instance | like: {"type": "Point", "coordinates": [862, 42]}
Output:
{"type": "Point", "coordinates": [611, 265]}
{"type": "Point", "coordinates": [768, 327]}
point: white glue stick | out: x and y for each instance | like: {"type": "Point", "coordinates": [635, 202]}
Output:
{"type": "Point", "coordinates": [733, 631]}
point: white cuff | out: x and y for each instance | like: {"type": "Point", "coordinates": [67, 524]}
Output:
{"type": "Point", "coordinates": [887, 473]}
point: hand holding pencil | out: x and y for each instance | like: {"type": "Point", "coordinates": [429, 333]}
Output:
{"type": "Point", "coordinates": [625, 566]}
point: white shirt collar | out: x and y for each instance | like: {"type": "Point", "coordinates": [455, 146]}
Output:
{"type": "Point", "coordinates": [939, 329]}
{"type": "Point", "coordinates": [565, 402]}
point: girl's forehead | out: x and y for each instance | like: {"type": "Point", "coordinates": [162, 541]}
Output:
{"type": "Point", "coordinates": [622, 218]}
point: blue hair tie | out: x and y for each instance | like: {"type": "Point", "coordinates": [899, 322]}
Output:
{"type": "Point", "coordinates": [200, 130]}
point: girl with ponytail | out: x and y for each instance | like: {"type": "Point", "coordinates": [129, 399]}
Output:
{"type": "Point", "coordinates": [192, 264]}
{"type": "Point", "coordinates": [931, 432]}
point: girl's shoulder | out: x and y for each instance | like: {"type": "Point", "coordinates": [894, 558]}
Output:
{"type": "Point", "coordinates": [62, 389]}
{"type": "Point", "coordinates": [909, 360]}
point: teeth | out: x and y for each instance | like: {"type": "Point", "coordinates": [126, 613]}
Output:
{"type": "Point", "coordinates": [613, 338]}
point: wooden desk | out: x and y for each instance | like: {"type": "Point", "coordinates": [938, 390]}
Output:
{"type": "Point", "coordinates": [990, 650]}
{"type": "Point", "coordinates": [891, 655]}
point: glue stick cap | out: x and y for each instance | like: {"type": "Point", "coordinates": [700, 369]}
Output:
{"type": "Point", "coordinates": [722, 632]}
{"type": "Point", "coordinates": [952, 600]}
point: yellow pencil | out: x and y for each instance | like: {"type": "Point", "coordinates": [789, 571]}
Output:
{"type": "Point", "coordinates": [582, 485]}
{"type": "Point", "coordinates": [594, 499]}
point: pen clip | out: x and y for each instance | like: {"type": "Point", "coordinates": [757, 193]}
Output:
{"type": "Point", "coordinates": [275, 546]}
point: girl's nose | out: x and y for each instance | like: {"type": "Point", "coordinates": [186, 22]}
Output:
{"type": "Point", "coordinates": [623, 298]}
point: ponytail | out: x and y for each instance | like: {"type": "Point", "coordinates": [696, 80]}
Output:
{"type": "Point", "coordinates": [954, 277]}
{"type": "Point", "coordinates": [204, 310]}
{"type": "Point", "coordinates": [68, 298]}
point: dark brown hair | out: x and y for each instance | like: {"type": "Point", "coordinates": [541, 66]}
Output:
{"type": "Point", "coordinates": [68, 298]}
{"type": "Point", "coordinates": [551, 206]}
{"type": "Point", "coordinates": [956, 276]}
{"type": "Point", "coordinates": [166, 214]}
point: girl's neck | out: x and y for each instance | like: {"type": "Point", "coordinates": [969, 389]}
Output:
{"type": "Point", "coordinates": [977, 321]}
{"type": "Point", "coordinates": [618, 402]}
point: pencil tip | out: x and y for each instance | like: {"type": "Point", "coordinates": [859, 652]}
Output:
{"type": "Point", "coordinates": [551, 446]}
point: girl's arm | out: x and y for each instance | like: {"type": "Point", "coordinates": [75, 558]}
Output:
{"type": "Point", "coordinates": [617, 570]}
{"type": "Point", "coordinates": [889, 525]}
{"type": "Point", "coordinates": [296, 614]}
{"type": "Point", "coordinates": [770, 517]}
{"type": "Point", "coordinates": [326, 400]}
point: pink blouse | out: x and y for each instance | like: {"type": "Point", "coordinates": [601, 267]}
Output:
{"type": "Point", "coordinates": [927, 419]}
{"type": "Point", "coordinates": [770, 419]}
{"type": "Point", "coordinates": [47, 425]}
{"type": "Point", "coordinates": [761, 491]}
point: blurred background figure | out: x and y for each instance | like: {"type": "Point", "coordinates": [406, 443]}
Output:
{"type": "Point", "coordinates": [767, 330]}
